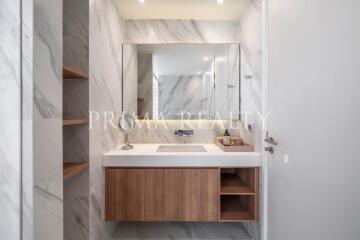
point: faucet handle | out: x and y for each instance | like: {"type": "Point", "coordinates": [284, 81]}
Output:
{"type": "Point", "coordinates": [182, 133]}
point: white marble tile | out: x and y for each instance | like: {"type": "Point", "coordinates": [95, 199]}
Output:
{"type": "Point", "coordinates": [251, 65]}
{"type": "Point", "coordinates": [48, 179]}
{"type": "Point", "coordinates": [27, 121]}
{"type": "Point", "coordinates": [42, 120]}
{"type": "Point", "coordinates": [10, 124]}
{"type": "Point", "coordinates": [76, 105]}
{"type": "Point", "coordinates": [47, 59]}
{"type": "Point", "coordinates": [76, 207]}
{"type": "Point", "coordinates": [106, 37]}
{"type": "Point", "coordinates": [76, 33]}
{"type": "Point", "coordinates": [181, 31]}
{"type": "Point", "coordinates": [250, 28]}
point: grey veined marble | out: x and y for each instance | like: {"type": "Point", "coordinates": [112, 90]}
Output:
{"type": "Point", "coordinates": [181, 231]}
{"type": "Point", "coordinates": [181, 31]}
{"type": "Point", "coordinates": [105, 64]}
{"type": "Point", "coordinates": [10, 124]}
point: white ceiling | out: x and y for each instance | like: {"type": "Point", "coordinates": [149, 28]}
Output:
{"type": "Point", "coordinates": [182, 9]}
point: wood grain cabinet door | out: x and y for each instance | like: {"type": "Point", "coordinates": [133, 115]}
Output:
{"type": "Point", "coordinates": [134, 194]}
{"type": "Point", "coordinates": [191, 194]}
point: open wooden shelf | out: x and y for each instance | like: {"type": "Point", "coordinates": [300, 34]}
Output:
{"type": "Point", "coordinates": [239, 194]}
{"type": "Point", "coordinates": [70, 122]}
{"type": "Point", "coordinates": [237, 208]}
{"type": "Point", "coordinates": [70, 72]}
{"type": "Point", "coordinates": [233, 185]}
{"type": "Point", "coordinates": [72, 169]}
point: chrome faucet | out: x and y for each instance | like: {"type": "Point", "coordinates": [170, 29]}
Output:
{"type": "Point", "coordinates": [184, 133]}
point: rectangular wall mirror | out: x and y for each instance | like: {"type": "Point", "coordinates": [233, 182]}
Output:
{"type": "Point", "coordinates": [182, 81]}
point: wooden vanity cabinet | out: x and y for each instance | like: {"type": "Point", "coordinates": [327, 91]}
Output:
{"type": "Point", "coordinates": [181, 194]}
{"type": "Point", "coordinates": [191, 194]}
{"type": "Point", "coordinates": [134, 194]}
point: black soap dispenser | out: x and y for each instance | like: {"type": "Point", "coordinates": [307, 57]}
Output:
{"type": "Point", "coordinates": [226, 138]}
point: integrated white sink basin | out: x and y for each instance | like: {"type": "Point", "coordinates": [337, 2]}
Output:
{"type": "Point", "coordinates": [179, 155]}
{"type": "Point", "coordinates": [181, 148]}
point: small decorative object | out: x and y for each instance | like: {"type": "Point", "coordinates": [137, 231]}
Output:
{"type": "Point", "coordinates": [236, 145]}
{"type": "Point", "coordinates": [126, 123]}
{"type": "Point", "coordinates": [226, 138]}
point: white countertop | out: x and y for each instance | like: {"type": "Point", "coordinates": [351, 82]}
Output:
{"type": "Point", "coordinates": [145, 155]}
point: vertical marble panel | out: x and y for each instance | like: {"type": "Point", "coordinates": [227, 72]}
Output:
{"type": "Point", "coordinates": [42, 120]}
{"type": "Point", "coordinates": [76, 105]}
{"type": "Point", "coordinates": [250, 27]}
{"type": "Point", "coordinates": [181, 31]}
{"type": "Point", "coordinates": [10, 120]}
{"type": "Point", "coordinates": [47, 125]}
{"type": "Point", "coordinates": [76, 207]}
{"type": "Point", "coordinates": [27, 120]}
{"type": "Point", "coordinates": [105, 44]}
{"type": "Point", "coordinates": [48, 179]}
{"type": "Point", "coordinates": [251, 69]}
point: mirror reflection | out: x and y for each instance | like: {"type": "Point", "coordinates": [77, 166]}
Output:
{"type": "Point", "coordinates": [182, 81]}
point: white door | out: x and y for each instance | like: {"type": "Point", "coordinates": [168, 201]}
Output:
{"type": "Point", "coordinates": [314, 99]}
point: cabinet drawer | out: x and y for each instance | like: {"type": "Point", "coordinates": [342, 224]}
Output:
{"type": "Point", "coordinates": [162, 194]}
{"type": "Point", "coordinates": [191, 194]}
{"type": "Point", "coordinates": [134, 194]}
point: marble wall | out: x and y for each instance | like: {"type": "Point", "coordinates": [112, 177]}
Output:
{"type": "Point", "coordinates": [106, 29]}
{"type": "Point", "coordinates": [181, 31]}
{"type": "Point", "coordinates": [250, 28]}
{"type": "Point", "coordinates": [10, 120]}
{"type": "Point", "coordinates": [41, 83]}
{"type": "Point", "coordinates": [76, 105]}
{"type": "Point", "coordinates": [47, 125]}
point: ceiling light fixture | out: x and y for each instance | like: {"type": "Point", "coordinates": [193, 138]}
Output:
{"type": "Point", "coordinates": [206, 59]}
{"type": "Point", "coordinates": [220, 1]}
{"type": "Point", "coordinates": [142, 1]}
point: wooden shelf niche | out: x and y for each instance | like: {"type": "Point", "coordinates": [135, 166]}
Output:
{"type": "Point", "coordinates": [239, 194]}
{"type": "Point", "coordinates": [73, 169]}
{"type": "Point", "coordinates": [70, 72]}
{"type": "Point", "coordinates": [79, 121]}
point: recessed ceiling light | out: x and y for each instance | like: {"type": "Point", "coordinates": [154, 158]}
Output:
{"type": "Point", "coordinates": [206, 59]}
{"type": "Point", "coordinates": [220, 1]}
{"type": "Point", "coordinates": [143, 1]}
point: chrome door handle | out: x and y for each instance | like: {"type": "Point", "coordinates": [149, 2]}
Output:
{"type": "Point", "coordinates": [271, 141]}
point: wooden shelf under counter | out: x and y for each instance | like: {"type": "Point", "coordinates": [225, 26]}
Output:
{"type": "Point", "coordinates": [233, 185]}
{"type": "Point", "coordinates": [238, 208]}
{"type": "Point", "coordinates": [73, 169]}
